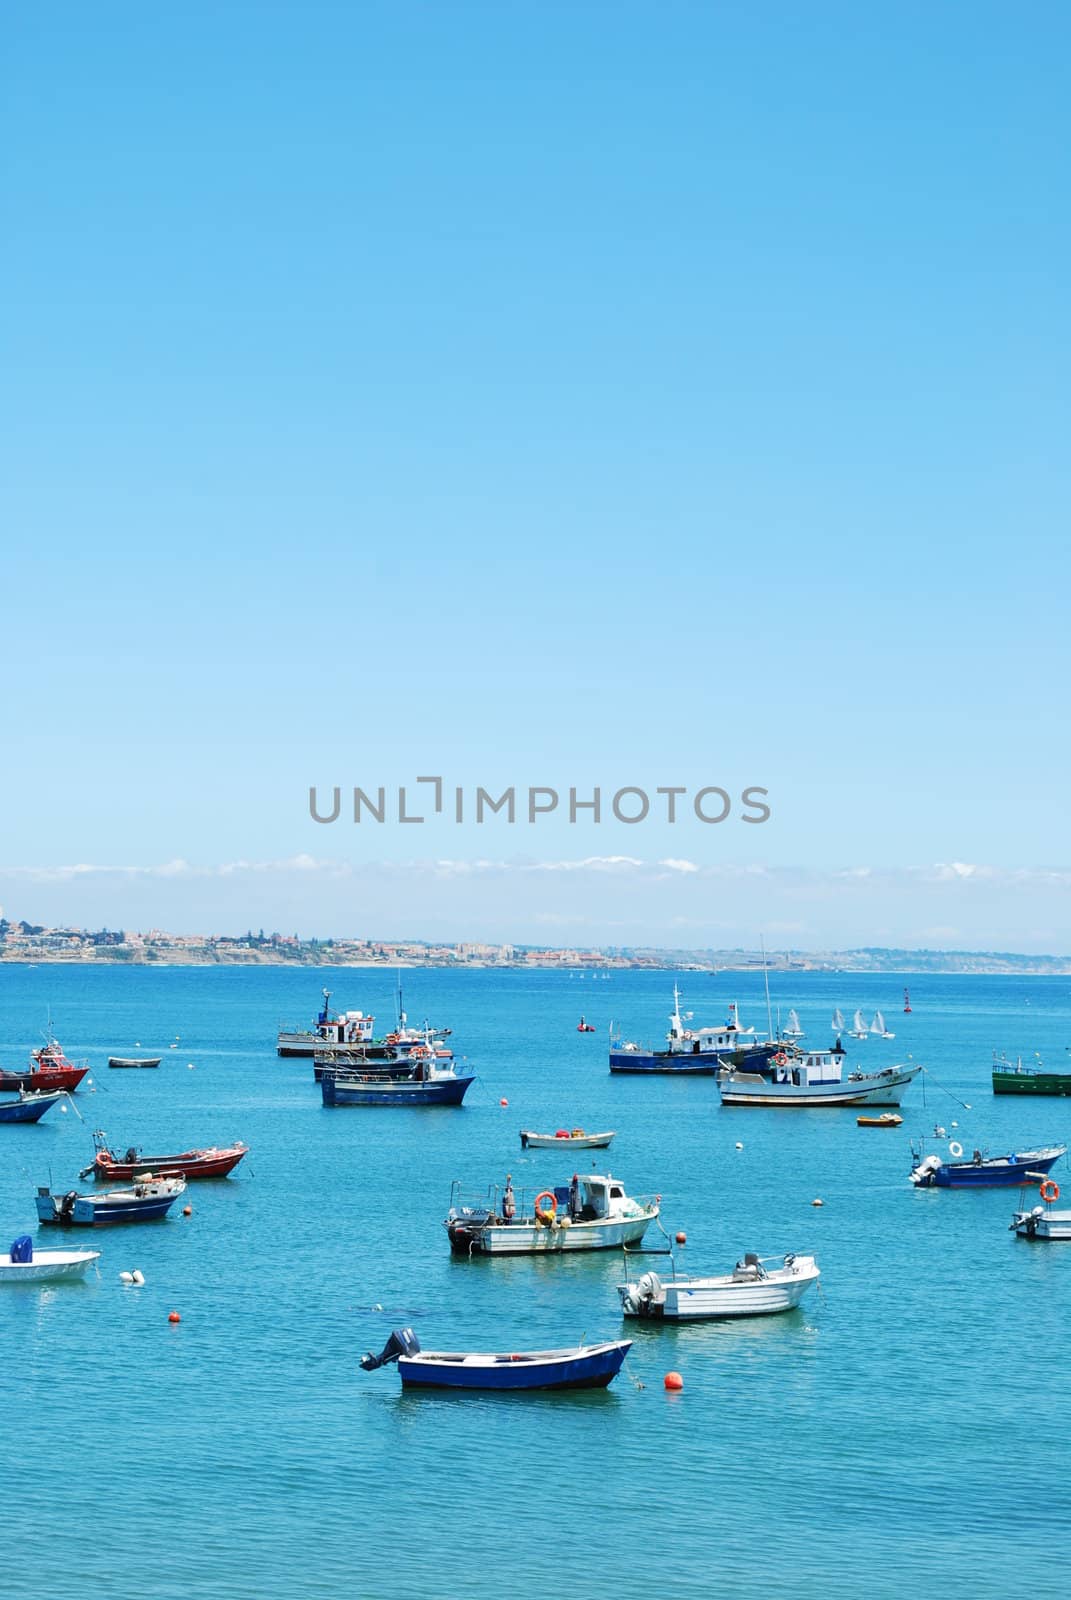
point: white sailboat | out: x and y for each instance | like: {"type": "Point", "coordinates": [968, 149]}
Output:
{"type": "Point", "coordinates": [793, 1029]}
{"type": "Point", "coordinates": [838, 1020]}
{"type": "Point", "coordinates": [858, 1029]}
{"type": "Point", "coordinates": [878, 1028]}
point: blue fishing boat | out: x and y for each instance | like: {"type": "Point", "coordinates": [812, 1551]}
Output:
{"type": "Point", "coordinates": [143, 1202]}
{"type": "Point", "coordinates": [424, 1085]}
{"type": "Point", "coordinates": [695, 1051]}
{"type": "Point", "coordinates": [28, 1107]}
{"type": "Point", "coordinates": [980, 1171]}
{"type": "Point", "coordinates": [583, 1366]}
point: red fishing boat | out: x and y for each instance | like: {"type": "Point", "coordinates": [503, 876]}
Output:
{"type": "Point", "coordinates": [49, 1069]}
{"type": "Point", "coordinates": [211, 1162]}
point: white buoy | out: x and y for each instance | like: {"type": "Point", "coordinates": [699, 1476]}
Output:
{"type": "Point", "coordinates": [126, 1277]}
{"type": "Point", "coordinates": [377, 1307]}
{"type": "Point", "coordinates": [137, 1044]}
{"type": "Point", "coordinates": [138, 1276]}
{"type": "Point", "coordinates": [190, 1065]}
{"type": "Point", "coordinates": [739, 1146]}
{"type": "Point", "coordinates": [64, 1110]}
{"type": "Point", "coordinates": [955, 1124]}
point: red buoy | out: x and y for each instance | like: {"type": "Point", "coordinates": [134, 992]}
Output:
{"type": "Point", "coordinates": [673, 1380]}
{"type": "Point", "coordinates": [682, 1238]}
{"type": "Point", "coordinates": [173, 1316]}
{"type": "Point", "coordinates": [187, 1211]}
{"type": "Point", "coordinates": [503, 1102]}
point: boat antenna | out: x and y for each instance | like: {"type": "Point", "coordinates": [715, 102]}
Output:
{"type": "Point", "coordinates": [766, 980]}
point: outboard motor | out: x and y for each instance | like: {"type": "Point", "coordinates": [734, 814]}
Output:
{"type": "Point", "coordinates": [22, 1248]}
{"type": "Point", "coordinates": [922, 1176]}
{"type": "Point", "coordinates": [402, 1342]}
{"type": "Point", "coordinates": [638, 1299]}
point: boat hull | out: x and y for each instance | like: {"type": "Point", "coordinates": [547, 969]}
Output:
{"type": "Point", "coordinates": [30, 1110]}
{"type": "Point", "coordinates": [1006, 1173]}
{"type": "Point", "coordinates": [588, 1367]}
{"type": "Point", "coordinates": [389, 1092]}
{"type": "Point", "coordinates": [704, 1063]}
{"type": "Point", "coordinates": [190, 1164]}
{"type": "Point", "coordinates": [47, 1266]}
{"type": "Point", "coordinates": [551, 1141]}
{"type": "Point", "coordinates": [719, 1299]}
{"type": "Point", "coordinates": [533, 1239]}
{"type": "Point", "coordinates": [1029, 1082]}
{"type": "Point", "coordinates": [101, 1210]}
{"type": "Point", "coordinates": [883, 1089]}
{"type": "Point", "coordinates": [1049, 1225]}
{"type": "Point", "coordinates": [44, 1080]}
{"type": "Point", "coordinates": [124, 1061]}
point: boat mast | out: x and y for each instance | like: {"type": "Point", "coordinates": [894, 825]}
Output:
{"type": "Point", "coordinates": [766, 980]}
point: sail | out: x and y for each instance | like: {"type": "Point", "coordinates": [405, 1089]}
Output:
{"type": "Point", "coordinates": [838, 1020]}
{"type": "Point", "coordinates": [878, 1024]}
{"type": "Point", "coordinates": [793, 1030]}
{"type": "Point", "coordinates": [858, 1023]}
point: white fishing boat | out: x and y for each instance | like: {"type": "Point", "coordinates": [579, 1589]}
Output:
{"type": "Point", "coordinates": [813, 1078]}
{"type": "Point", "coordinates": [859, 1029]}
{"type": "Point", "coordinates": [793, 1029]}
{"type": "Point", "coordinates": [1042, 1223]}
{"type": "Point", "coordinates": [758, 1286]}
{"type": "Point", "coordinates": [593, 1212]}
{"type": "Point", "coordinates": [878, 1030]}
{"type": "Point", "coordinates": [565, 1139]}
{"type": "Point", "coordinates": [24, 1264]}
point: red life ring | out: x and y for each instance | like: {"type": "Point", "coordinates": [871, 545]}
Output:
{"type": "Point", "coordinates": [1050, 1191]}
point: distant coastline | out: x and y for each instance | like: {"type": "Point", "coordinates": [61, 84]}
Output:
{"type": "Point", "coordinates": [24, 943]}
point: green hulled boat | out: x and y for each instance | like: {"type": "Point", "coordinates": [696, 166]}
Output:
{"type": "Point", "coordinates": [1017, 1079]}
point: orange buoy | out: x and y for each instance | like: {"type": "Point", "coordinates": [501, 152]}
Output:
{"type": "Point", "coordinates": [673, 1380]}
{"type": "Point", "coordinates": [682, 1238]}
{"type": "Point", "coordinates": [187, 1211]}
{"type": "Point", "coordinates": [173, 1316]}
{"type": "Point", "coordinates": [503, 1102]}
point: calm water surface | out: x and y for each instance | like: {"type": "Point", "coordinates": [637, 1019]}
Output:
{"type": "Point", "coordinates": [905, 1433]}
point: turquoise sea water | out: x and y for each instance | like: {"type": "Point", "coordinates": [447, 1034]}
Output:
{"type": "Point", "coordinates": [905, 1432]}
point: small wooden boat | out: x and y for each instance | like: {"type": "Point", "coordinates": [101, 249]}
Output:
{"type": "Point", "coordinates": [593, 1212]}
{"type": "Point", "coordinates": [134, 1061]}
{"type": "Point", "coordinates": [980, 1171]}
{"type": "Point", "coordinates": [754, 1288]}
{"type": "Point", "coordinates": [144, 1202]}
{"type": "Point", "coordinates": [583, 1366]}
{"type": "Point", "coordinates": [565, 1139]}
{"type": "Point", "coordinates": [209, 1162]}
{"type": "Point", "coordinates": [24, 1264]}
{"type": "Point", "coordinates": [888, 1119]}
{"type": "Point", "coordinates": [28, 1107]}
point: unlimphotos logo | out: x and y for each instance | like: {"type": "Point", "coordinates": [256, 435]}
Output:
{"type": "Point", "coordinates": [458, 804]}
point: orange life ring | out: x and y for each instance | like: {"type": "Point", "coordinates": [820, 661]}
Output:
{"type": "Point", "coordinates": [1050, 1191]}
{"type": "Point", "coordinates": [546, 1217]}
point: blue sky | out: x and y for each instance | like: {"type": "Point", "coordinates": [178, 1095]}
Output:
{"type": "Point", "coordinates": [535, 394]}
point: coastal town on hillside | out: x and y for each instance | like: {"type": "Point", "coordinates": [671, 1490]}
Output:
{"type": "Point", "coordinates": [31, 943]}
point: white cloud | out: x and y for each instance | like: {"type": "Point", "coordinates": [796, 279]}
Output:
{"type": "Point", "coordinates": [678, 866]}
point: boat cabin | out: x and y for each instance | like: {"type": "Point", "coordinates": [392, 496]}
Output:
{"type": "Point", "coordinates": [808, 1067]}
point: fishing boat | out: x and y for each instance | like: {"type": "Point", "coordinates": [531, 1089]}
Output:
{"type": "Point", "coordinates": [887, 1119]}
{"type": "Point", "coordinates": [49, 1068]}
{"type": "Point", "coordinates": [353, 1031]}
{"type": "Point", "coordinates": [209, 1162]}
{"type": "Point", "coordinates": [29, 1107]}
{"type": "Point", "coordinates": [1017, 1079]}
{"type": "Point", "coordinates": [981, 1171]}
{"type": "Point", "coordinates": [145, 1201]}
{"type": "Point", "coordinates": [425, 1084]}
{"type": "Point", "coordinates": [593, 1212]}
{"type": "Point", "coordinates": [393, 1060]}
{"type": "Point", "coordinates": [814, 1078]}
{"type": "Point", "coordinates": [858, 1029]}
{"type": "Point", "coordinates": [582, 1366]}
{"type": "Point", "coordinates": [702, 1051]}
{"type": "Point", "coordinates": [758, 1286]}
{"type": "Point", "coordinates": [565, 1139]}
{"type": "Point", "coordinates": [1042, 1222]}
{"type": "Point", "coordinates": [134, 1061]}
{"type": "Point", "coordinates": [792, 1027]}
{"type": "Point", "coordinates": [24, 1264]}
{"type": "Point", "coordinates": [878, 1030]}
